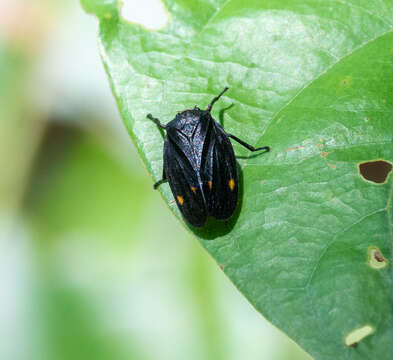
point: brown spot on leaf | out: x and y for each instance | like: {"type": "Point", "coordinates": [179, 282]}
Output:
{"type": "Point", "coordinates": [347, 81]}
{"type": "Point", "coordinates": [294, 148]}
{"type": "Point", "coordinates": [378, 256]}
{"type": "Point", "coordinates": [376, 260]}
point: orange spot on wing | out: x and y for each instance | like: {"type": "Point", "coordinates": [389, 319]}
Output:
{"type": "Point", "coordinates": [210, 185]}
{"type": "Point", "coordinates": [231, 184]}
{"type": "Point", "coordinates": [180, 199]}
{"type": "Point", "coordinates": [193, 189]}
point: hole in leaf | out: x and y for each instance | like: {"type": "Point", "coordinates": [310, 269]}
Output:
{"type": "Point", "coordinates": [376, 171]}
{"type": "Point", "coordinates": [375, 258]}
{"type": "Point", "coordinates": [352, 339]}
{"type": "Point", "coordinates": [151, 14]}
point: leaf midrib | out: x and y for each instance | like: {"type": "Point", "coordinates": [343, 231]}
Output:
{"type": "Point", "coordinates": [308, 84]}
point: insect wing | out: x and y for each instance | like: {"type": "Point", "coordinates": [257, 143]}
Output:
{"type": "Point", "coordinates": [219, 173]}
{"type": "Point", "coordinates": [183, 181]}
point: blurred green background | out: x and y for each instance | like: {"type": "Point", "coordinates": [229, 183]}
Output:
{"type": "Point", "coordinates": [92, 263]}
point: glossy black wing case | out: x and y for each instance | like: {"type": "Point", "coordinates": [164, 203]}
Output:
{"type": "Point", "coordinates": [183, 181]}
{"type": "Point", "coordinates": [219, 173]}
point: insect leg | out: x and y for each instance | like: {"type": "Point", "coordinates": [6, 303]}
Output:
{"type": "Point", "coordinates": [221, 114]}
{"type": "Point", "coordinates": [159, 182]}
{"type": "Point", "coordinates": [248, 146]}
{"type": "Point", "coordinates": [216, 99]}
{"type": "Point", "coordinates": [156, 121]}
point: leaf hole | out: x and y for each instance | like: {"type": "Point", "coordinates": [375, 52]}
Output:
{"type": "Point", "coordinates": [355, 336]}
{"type": "Point", "coordinates": [375, 171]}
{"type": "Point", "coordinates": [376, 260]}
{"type": "Point", "coordinates": [151, 14]}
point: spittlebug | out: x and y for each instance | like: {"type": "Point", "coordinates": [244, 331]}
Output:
{"type": "Point", "coordinates": [200, 165]}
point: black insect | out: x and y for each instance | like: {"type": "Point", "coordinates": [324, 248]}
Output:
{"type": "Point", "coordinates": [200, 165]}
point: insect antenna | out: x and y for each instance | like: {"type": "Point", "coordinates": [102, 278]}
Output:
{"type": "Point", "coordinates": [216, 99]}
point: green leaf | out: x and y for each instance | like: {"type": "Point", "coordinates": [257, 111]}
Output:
{"type": "Point", "coordinates": [101, 8]}
{"type": "Point", "coordinates": [313, 80]}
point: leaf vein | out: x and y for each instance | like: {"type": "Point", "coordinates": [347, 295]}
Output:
{"type": "Point", "coordinates": [308, 84]}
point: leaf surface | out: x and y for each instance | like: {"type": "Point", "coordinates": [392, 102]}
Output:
{"type": "Point", "coordinates": [313, 80]}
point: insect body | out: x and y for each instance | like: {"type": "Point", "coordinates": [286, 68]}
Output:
{"type": "Point", "coordinates": [200, 165]}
